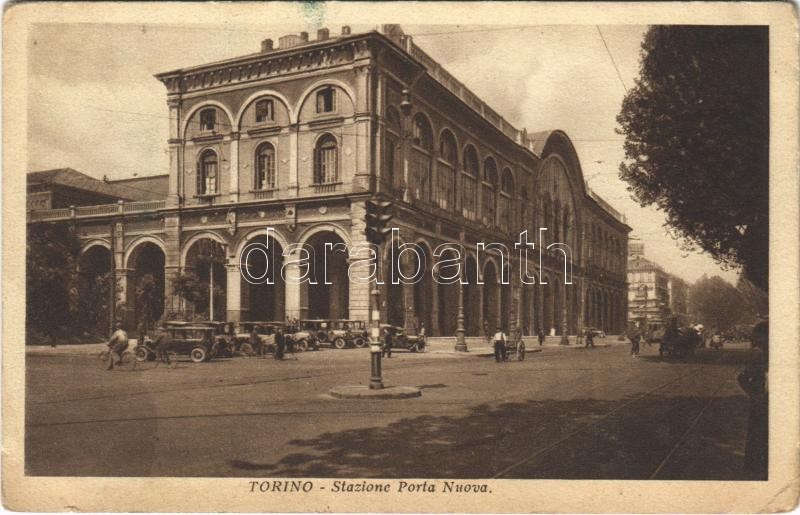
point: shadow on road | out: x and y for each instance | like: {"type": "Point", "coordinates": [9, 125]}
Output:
{"type": "Point", "coordinates": [574, 439]}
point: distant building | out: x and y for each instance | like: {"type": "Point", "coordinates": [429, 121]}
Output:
{"type": "Point", "coordinates": [653, 293]}
{"type": "Point", "coordinates": [648, 290]}
{"type": "Point", "coordinates": [65, 187]}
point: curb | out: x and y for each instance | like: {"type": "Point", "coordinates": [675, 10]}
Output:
{"type": "Point", "coordinates": [364, 392]}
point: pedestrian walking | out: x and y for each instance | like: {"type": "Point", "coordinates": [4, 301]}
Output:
{"type": "Point", "coordinates": [280, 344]}
{"type": "Point", "coordinates": [590, 339]}
{"type": "Point", "coordinates": [580, 335]}
{"type": "Point", "coordinates": [540, 333]}
{"type": "Point", "coordinates": [635, 344]}
{"type": "Point", "coordinates": [386, 350]}
{"type": "Point", "coordinates": [499, 345]}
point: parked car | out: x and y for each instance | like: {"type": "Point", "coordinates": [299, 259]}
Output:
{"type": "Point", "coordinates": [338, 333]}
{"type": "Point", "coordinates": [301, 340]}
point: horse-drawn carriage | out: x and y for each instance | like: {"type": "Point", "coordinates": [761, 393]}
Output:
{"type": "Point", "coordinates": [679, 342]}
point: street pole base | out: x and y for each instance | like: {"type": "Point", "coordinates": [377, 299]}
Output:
{"type": "Point", "coordinates": [564, 340]}
{"type": "Point", "coordinates": [461, 347]}
{"type": "Point", "coordinates": [375, 384]}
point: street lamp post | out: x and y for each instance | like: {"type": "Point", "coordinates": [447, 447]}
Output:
{"type": "Point", "coordinates": [461, 344]}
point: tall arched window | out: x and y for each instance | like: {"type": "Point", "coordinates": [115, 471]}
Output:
{"type": "Point", "coordinates": [207, 173]}
{"type": "Point", "coordinates": [265, 167]}
{"type": "Point", "coordinates": [392, 170]}
{"type": "Point", "coordinates": [523, 223]}
{"type": "Point", "coordinates": [546, 220]}
{"type": "Point", "coordinates": [445, 187]}
{"type": "Point", "coordinates": [506, 200]}
{"type": "Point", "coordinates": [421, 152]}
{"type": "Point", "coordinates": [489, 191]}
{"type": "Point", "coordinates": [469, 184]}
{"type": "Point", "coordinates": [326, 160]}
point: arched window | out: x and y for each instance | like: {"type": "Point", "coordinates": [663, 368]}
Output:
{"type": "Point", "coordinates": [326, 160]}
{"type": "Point", "coordinates": [445, 188]}
{"type": "Point", "coordinates": [506, 200]}
{"type": "Point", "coordinates": [489, 191]}
{"type": "Point", "coordinates": [565, 224]}
{"type": "Point", "coordinates": [207, 173]}
{"type": "Point", "coordinates": [523, 223]}
{"type": "Point", "coordinates": [392, 174]}
{"type": "Point", "coordinates": [469, 184]}
{"type": "Point", "coordinates": [546, 219]}
{"type": "Point", "coordinates": [421, 152]}
{"type": "Point", "coordinates": [265, 167]}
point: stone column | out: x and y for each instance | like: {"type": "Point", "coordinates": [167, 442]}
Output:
{"type": "Point", "coordinates": [233, 181]}
{"type": "Point", "coordinates": [293, 273]}
{"type": "Point", "coordinates": [359, 294]}
{"type": "Point", "coordinates": [175, 153]}
{"type": "Point", "coordinates": [234, 291]}
{"type": "Point", "coordinates": [294, 170]}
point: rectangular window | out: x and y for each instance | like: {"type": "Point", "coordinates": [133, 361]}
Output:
{"type": "Point", "coordinates": [326, 100]}
{"type": "Point", "coordinates": [208, 119]}
{"type": "Point", "coordinates": [264, 111]}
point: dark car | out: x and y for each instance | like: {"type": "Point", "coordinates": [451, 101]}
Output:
{"type": "Point", "coordinates": [401, 340]}
{"type": "Point", "coordinates": [198, 341]}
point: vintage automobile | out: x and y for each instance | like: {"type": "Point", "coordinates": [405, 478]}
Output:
{"type": "Point", "coordinates": [300, 340]}
{"type": "Point", "coordinates": [198, 341]}
{"type": "Point", "coordinates": [338, 333]}
{"type": "Point", "coordinates": [401, 340]}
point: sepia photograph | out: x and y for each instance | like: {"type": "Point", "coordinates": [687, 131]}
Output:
{"type": "Point", "coordinates": [342, 255]}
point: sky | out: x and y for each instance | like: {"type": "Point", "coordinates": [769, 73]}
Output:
{"type": "Point", "coordinates": [95, 106]}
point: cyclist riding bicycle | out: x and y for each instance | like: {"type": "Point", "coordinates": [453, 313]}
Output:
{"type": "Point", "coordinates": [118, 343]}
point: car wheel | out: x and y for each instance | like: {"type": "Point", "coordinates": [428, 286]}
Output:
{"type": "Point", "coordinates": [198, 354]}
{"type": "Point", "coordinates": [360, 343]}
{"type": "Point", "coordinates": [302, 345]}
{"type": "Point", "coordinates": [246, 349]}
{"type": "Point", "coordinates": [142, 354]}
{"type": "Point", "coordinates": [339, 343]}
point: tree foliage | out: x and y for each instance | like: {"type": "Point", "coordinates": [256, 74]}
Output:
{"type": "Point", "coordinates": [51, 282]}
{"type": "Point", "coordinates": [716, 303]}
{"type": "Point", "coordinates": [149, 301]}
{"type": "Point", "coordinates": [697, 139]}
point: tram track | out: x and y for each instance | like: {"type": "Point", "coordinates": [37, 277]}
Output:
{"type": "Point", "coordinates": [605, 417]}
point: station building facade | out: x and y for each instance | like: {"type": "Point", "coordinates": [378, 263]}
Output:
{"type": "Point", "coordinates": [284, 147]}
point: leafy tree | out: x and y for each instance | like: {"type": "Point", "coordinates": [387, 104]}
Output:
{"type": "Point", "coordinates": [716, 303]}
{"type": "Point", "coordinates": [51, 282]}
{"type": "Point", "coordinates": [697, 139]}
{"type": "Point", "coordinates": [149, 301]}
{"type": "Point", "coordinates": [194, 290]}
{"type": "Point", "coordinates": [755, 300]}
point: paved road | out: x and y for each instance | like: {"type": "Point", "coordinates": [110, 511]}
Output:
{"type": "Point", "coordinates": [562, 413]}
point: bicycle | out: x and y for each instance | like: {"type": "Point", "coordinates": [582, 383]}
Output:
{"type": "Point", "coordinates": [108, 358]}
{"type": "Point", "coordinates": [147, 356]}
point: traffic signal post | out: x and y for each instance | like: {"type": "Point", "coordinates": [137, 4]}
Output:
{"type": "Point", "coordinates": [379, 214]}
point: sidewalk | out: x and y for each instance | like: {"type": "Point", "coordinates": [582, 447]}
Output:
{"type": "Point", "coordinates": [479, 345]}
{"type": "Point", "coordinates": [80, 349]}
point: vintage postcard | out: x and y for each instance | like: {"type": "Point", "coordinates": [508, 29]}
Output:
{"type": "Point", "coordinates": [400, 257]}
